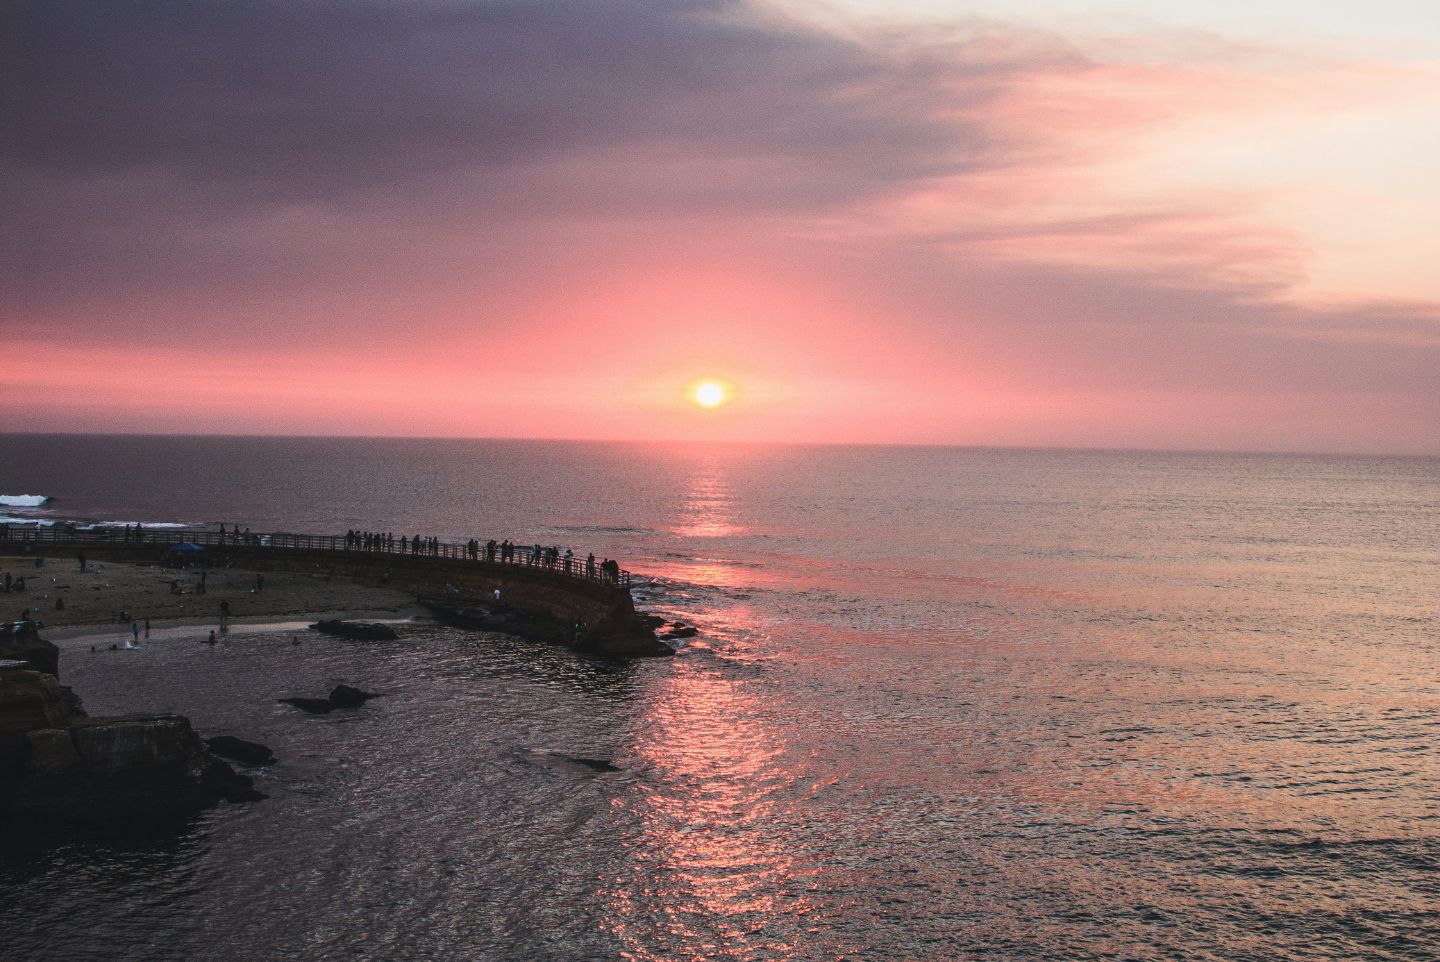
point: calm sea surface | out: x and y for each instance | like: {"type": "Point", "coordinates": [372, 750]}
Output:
{"type": "Point", "coordinates": [945, 703]}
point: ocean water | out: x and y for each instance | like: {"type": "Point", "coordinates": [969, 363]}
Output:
{"type": "Point", "coordinates": [945, 703]}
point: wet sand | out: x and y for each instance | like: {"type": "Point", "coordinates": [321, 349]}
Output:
{"type": "Point", "coordinates": [98, 595]}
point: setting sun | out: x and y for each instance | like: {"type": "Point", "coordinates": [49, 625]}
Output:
{"type": "Point", "coordinates": [709, 393]}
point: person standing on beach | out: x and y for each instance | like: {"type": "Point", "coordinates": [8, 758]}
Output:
{"type": "Point", "coordinates": [134, 634]}
{"type": "Point", "coordinates": [224, 612]}
{"type": "Point", "coordinates": [81, 558]}
{"type": "Point", "coordinates": [147, 627]}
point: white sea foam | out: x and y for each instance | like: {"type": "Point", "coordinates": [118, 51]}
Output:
{"type": "Point", "coordinates": [34, 522]}
{"type": "Point", "coordinates": [144, 524]}
{"type": "Point", "coordinates": [23, 500]}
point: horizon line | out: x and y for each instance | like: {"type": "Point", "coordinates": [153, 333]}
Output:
{"type": "Point", "coordinates": [731, 442]}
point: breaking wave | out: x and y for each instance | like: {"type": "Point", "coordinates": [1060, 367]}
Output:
{"type": "Point", "coordinates": [33, 522]}
{"type": "Point", "coordinates": [23, 500]}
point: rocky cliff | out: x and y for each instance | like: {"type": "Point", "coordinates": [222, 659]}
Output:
{"type": "Point", "coordinates": [57, 766]}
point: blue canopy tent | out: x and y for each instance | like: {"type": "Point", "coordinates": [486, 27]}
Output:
{"type": "Point", "coordinates": [185, 553]}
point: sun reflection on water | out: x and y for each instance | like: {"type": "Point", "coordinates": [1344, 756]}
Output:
{"type": "Point", "coordinates": [711, 849]}
{"type": "Point", "coordinates": [708, 508]}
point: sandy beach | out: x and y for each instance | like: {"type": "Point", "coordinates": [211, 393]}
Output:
{"type": "Point", "coordinates": [98, 595]}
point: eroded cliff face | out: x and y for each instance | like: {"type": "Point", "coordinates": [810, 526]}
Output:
{"type": "Point", "coordinates": [57, 767]}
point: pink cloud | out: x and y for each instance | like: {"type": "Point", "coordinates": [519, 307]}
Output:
{"type": "Point", "coordinates": [989, 238]}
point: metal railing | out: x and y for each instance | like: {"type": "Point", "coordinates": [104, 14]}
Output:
{"type": "Point", "coordinates": [384, 546]}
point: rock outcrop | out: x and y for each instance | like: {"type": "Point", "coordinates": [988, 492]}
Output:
{"type": "Point", "coordinates": [638, 642]}
{"type": "Point", "coordinates": [21, 641]}
{"type": "Point", "coordinates": [356, 630]}
{"type": "Point", "coordinates": [314, 706]}
{"type": "Point", "coordinates": [58, 767]}
{"type": "Point", "coordinates": [341, 696]}
{"type": "Point", "coordinates": [239, 750]}
{"type": "Point", "coordinates": [344, 696]}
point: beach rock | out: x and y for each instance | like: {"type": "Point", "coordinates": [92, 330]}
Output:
{"type": "Point", "coordinates": [238, 749]}
{"type": "Point", "coordinates": [679, 630]}
{"type": "Point", "coordinates": [73, 702]}
{"type": "Point", "coordinates": [21, 641]}
{"type": "Point", "coordinates": [31, 699]}
{"type": "Point", "coordinates": [229, 784]}
{"type": "Point", "coordinates": [315, 706]}
{"type": "Point", "coordinates": [134, 768]}
{"type": "Point", "coordinates": [343, 696]}
{"type": "Point", "coordinates": [356, 630]}
{"type": "Point", "coordinates": [636, 641]}
{"type": "Point", "coordinates": [52, 753]}
{"type": "Point", "coordinates": [139, 748]}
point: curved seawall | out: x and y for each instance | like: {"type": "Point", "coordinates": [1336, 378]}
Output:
{"type": "Point", "coordinates": [554, 600]}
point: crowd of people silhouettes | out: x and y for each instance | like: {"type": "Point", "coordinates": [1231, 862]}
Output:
{"type": "Point", "coordinates": [550, 558]}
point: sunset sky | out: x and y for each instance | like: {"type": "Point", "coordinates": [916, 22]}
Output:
{"type": "Point", "coordinates": [1029, 222]}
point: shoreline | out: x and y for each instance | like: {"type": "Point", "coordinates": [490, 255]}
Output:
{"type": "Point", "coordinates": [95, 598]}
{"type": "Point", "coordinates": [81, 630]}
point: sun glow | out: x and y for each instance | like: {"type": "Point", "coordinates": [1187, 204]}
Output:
{"type": "Point", "coordinates": [709, 393]}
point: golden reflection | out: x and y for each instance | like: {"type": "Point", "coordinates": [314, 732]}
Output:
{"type": "Point", "coordinates": [712, 854]}
{"type": "Point", "coordinates": [707, 511]}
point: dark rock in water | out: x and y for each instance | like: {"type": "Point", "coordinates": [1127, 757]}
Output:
{"type": "Point", "coordinates": [679, 630]}
{"type": "Point", "coordinates": [130, 769]}
{"type": "Point", "coordinates": [138, 748]}
{"type": "Point", "coordinates": [356, 630]}
{"type": "Point", "coordinates": [229, 784]}
{"type": "Point", "coordinates": [238, 749]}
{"type": "Point", "coordinates": [634, 641]}
{"type": "Point", "coordinates": [57, 766]}
{"type": "Point", "coordinates": [343, 696]}
{"type": "Point", "coordinates": [569, 762]}
{"type": "Point", "coordinates": [315, 706]}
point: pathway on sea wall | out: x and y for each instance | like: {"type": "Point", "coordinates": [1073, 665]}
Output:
{"type": "Point", "coordinates": [568, 595]}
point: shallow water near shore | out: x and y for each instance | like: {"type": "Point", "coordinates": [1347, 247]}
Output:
{"type": "Point", "coordinates": [944, 703]}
